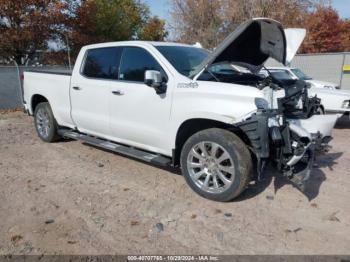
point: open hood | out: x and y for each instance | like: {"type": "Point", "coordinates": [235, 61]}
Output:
{"type": "Point", "coordinates": [253, 42]}
{"type": "Point", "coordinates": [295, 37]}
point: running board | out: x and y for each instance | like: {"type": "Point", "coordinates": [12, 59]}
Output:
{"type": "Point", "coordinates": [117, 148]}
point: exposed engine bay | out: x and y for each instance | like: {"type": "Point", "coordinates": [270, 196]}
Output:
{"type": "Point", "coordinates": [287, 128]}
{"type": "Point", "coordinates": [277, 130]}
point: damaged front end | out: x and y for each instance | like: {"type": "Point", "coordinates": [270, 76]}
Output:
{"type": "Point", "coordinates": [291, 134]}
{"type": "Point", "coordinates": [286, 129]}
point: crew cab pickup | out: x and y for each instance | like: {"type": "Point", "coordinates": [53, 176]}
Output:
{"type": "Point", "coordinates": [161, 103]}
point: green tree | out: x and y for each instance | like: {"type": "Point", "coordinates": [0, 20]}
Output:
{"type": "Point", "coordinates": [114, 20]}
{"type": "Point", "coordinates": [120, 19]}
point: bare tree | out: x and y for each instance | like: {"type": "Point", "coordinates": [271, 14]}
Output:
{"type": "Point", "coordinates": [197, 21]}
{"type": "Point", "coordinates": [209, 21]}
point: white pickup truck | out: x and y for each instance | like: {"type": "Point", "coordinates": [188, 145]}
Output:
{"type": "Point", "coordinates": [161, 103]}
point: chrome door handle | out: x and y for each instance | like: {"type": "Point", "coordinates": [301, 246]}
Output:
{"type": "Point", "coordinates": [118, 93]}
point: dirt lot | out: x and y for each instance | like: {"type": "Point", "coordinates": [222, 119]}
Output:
{"type": "Point", "coordinates": [70, 198]}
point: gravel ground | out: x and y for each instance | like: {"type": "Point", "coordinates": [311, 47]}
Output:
{"type": "Point", "coordinates": [70, 198]}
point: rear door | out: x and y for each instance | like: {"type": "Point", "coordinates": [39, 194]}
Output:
{"type": "Point", "coordinates": [91, 89]}
{"type": "Point", "coordinates": [139, 116]}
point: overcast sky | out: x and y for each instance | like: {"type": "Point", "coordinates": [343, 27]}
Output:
{"type": "Point", "coordinates": [161, 7]}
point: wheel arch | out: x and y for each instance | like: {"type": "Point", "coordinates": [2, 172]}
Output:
{"type": "Point", "coordinates": [194, 125]}
{"type": "Point", "coordinates": [37, 99]}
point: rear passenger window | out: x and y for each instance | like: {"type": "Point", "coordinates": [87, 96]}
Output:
{"type": "Point", "coordinates": [102, 63]}
{"type": "Point", "coordinates": [135, 62]}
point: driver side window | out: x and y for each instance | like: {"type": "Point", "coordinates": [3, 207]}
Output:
{"type": "Point", "coordinates": [135, 61]}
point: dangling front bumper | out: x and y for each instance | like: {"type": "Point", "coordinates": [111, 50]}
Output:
{"type": "Point", "coordinates": [289, 143]}
{"type": "Point", "coordinates": [314, 135]}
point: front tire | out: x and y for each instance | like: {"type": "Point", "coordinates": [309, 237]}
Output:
{"type": "Point", "coordinates": [216, 164]}
{"type": "Point", "coordinates": [45, 123]}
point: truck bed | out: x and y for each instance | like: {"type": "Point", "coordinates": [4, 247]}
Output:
{"type": "Point", "coordinates": [54, 86]}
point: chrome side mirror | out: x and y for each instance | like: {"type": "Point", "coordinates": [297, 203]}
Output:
{"type": "Point", "coordinates": [154, 79]}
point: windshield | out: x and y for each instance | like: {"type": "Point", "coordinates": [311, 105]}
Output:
{"type": "Point", "coordinates": [300, 74]}
{"type": "Point", "coordinates": [184, 58]}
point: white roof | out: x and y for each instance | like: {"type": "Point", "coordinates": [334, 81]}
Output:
{"type": "Point", "coordinates": [135, 43]}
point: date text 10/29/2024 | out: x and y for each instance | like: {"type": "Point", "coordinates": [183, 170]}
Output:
{"type": "Point", "coordinates": [173, 258]}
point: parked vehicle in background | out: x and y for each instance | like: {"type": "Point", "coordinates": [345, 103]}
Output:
{"type": "Point", "coordinates": [299, 74]}
{"type": "Point", "coordinates": [162, 103]}
{"type": "Point", "coordinates": [333, 100]}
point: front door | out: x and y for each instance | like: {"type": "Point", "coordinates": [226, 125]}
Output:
{"type": "Point", "coordinates": [138, 116]}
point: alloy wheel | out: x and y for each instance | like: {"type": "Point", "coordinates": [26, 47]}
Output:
{"type": "Point", "coordinates": [211, 167]}
{"type": "Point", "coordinates": [43, 122]}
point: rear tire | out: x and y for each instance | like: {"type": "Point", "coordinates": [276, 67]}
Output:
{"type": "Point", "coordinates": [45, 123]}
{"type": "Point", "coordinates": [216, 164]}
